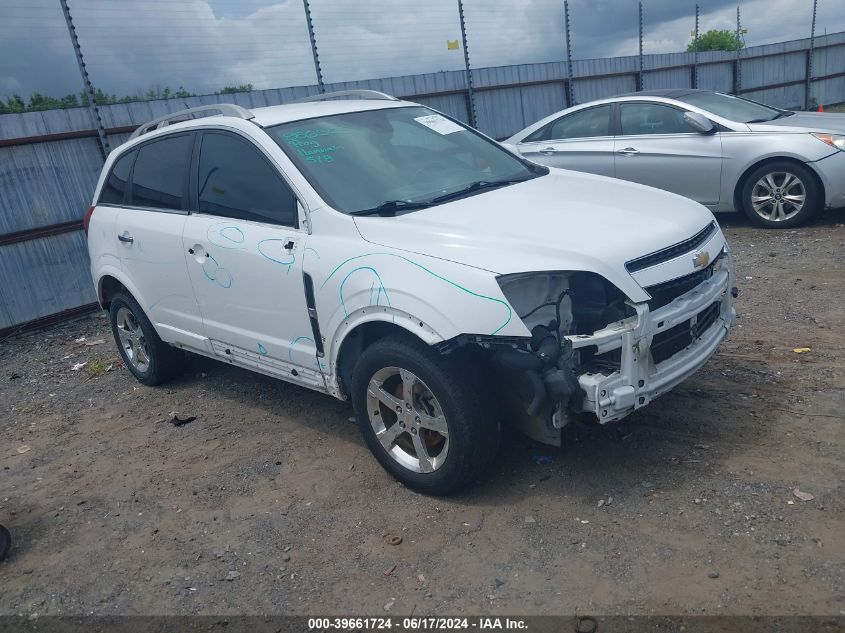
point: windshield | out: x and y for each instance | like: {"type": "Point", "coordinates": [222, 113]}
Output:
{"type": "Point", "coordinates": [396, 159]}
{"type": "Point", "coordinates": [732, 108]}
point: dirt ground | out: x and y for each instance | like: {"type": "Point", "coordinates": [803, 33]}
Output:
{"type": "Point", "coordinates": [269, 502]}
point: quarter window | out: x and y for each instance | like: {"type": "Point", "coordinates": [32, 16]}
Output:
{"type": "Point", "coordinates": [115, 186]}
{"type": "Point", "coordinates": [158, 179]}
{"type": "Point", "coordinates": [652, 118]}
{"type": "Point", "coordinates": [582, 124]}
{"type": "Point", "coordinates": [236, 181]}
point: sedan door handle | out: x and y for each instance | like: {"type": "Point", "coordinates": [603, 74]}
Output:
{"type": "Point", "coordinates": [629, 151]}
{"type": "Point", "coordinates": [548, 151]}
{"type": "Point", "coordinates": [125, 237]}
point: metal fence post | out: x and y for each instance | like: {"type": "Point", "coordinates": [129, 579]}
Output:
{"type": "Point", "coordinates": [86, 82]}
{"type": "Point", "coordinates": [808, 88]}
{"type": "Point", "coordinates": [570, 83]}
{"type": "Point", "coordinates": [313, 39]}
{"type": "Point", "coordinates": [737, 61]}
{"type": "Point", "coordinates": [470, 92]}
{"type": "Point", "coordinates": [640, 79]}
{"type": "Point", "coordinates": [695, 52]}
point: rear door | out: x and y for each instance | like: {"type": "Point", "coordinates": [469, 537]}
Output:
{"type": "Point", "coordinates": [581, 140]}
{"type": "Point", "coordinates": [148, 232]}
{"type": "Point", "coordinates": [244, 250]}
{"type": "Point", "coordinates": [657, 147]}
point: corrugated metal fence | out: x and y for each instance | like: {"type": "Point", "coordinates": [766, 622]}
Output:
{"type": "Point", "coordinates": [50, 160]}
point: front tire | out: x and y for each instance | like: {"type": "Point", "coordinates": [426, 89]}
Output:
{"type": "Point", "coordinates": [151, 360]}
{"type": "Point", "coordinates": [781, 195]}
{"type": "Point", "coordinates": [423, 416]}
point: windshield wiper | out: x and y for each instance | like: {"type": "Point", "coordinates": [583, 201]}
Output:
{"type": "Point", "coordinates": [390, 207]}
{"type": "Point", "coordinates": [477, 186]}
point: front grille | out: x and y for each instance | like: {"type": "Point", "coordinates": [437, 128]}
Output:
{"type": "Point", "coordinates": [679, 337]}
{"type": "Point", "coordinates": [671, 252]}
{"type": "Point", "coordinates": [664, 293]}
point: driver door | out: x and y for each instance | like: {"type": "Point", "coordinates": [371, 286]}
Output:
{"type": "Point", "coordinates": [243, 249]}
{"type": "Point", "coordinates": [658, 148]}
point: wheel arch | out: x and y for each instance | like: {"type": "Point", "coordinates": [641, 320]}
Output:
{"type": "Point", "coordinates": [112, 281]}
{"type": "Point", "coordinates": [361, 330]}
{"type": "Point", "coordinates": [740, 183]}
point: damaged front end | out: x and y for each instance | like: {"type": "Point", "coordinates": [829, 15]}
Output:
{"type": "Point", "coordinates": [592, 350]}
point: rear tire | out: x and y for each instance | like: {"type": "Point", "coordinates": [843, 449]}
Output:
{"type": "Point", "coordinates": [445, 432]}
{"type": "Point", "coordinates": [151, 360]}
{"type": "Point", "coordinates": [781, 195]}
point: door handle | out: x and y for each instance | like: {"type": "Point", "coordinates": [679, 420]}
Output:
{"type": "Point", "coordinates": [548, 151]}
{"type": "Point", "coordinates": [628, 151]}
{"type": "Point", "coordinates": [125, 237]}
{"type": "Point", "coordinates": [289, 245]}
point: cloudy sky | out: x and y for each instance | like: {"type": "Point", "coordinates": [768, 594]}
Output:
{"type": "Point", "coordinates": [132, 45]}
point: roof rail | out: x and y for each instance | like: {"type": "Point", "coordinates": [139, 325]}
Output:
{"type": "Point", "coordinates": [358, 94]}
{"type": "Point", "coordinates": [225, 109]}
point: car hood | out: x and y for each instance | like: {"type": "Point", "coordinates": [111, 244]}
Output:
{"type": "Point", "coordinates": [562, 221]}
{"type": "Point", "coordinates": [804, 122]}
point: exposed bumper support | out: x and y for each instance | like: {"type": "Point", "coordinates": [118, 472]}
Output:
{"type": "Point", "coordinates": [639, 380]}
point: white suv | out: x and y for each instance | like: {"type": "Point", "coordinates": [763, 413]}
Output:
{"type": "Point", "coordinates": [376, 250]}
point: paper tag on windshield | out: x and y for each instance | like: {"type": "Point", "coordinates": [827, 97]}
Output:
{"type": "Point", "coordinates": [439, 124]}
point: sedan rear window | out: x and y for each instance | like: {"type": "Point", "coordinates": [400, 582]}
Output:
{"type": "Point", "coordinates": [158, 179]}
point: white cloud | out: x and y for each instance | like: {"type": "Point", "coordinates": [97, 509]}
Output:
{"type": "Point", "coordinates": [206, 44]}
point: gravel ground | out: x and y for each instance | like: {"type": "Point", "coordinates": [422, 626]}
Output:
{"type": "Point", "coordinates": [269, 503]}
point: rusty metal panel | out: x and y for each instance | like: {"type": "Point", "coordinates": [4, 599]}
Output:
{"type": "Point", "coordinates": [778, 69]}
{"type": "Point", "coordinates": [43, 277]}
{"type": "Point", "coordinates": [47, 183]}
{"type": "Point", "coordinates": [453, 105]}
{"type": "Point", "coordinates": [719, 77]}
{"type": "Point", "coordinates": [672, 78]}
{"type": "Point", "coordinates": [499, 112]}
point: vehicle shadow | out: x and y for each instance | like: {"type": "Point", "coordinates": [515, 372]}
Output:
{"type": "Point", "coordinates": [826, 217]}
{"type": "Point", "coordinates": [699, 424]}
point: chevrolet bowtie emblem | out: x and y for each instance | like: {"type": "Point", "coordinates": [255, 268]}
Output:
{"type": "Point", "coordinates": [701, 259]}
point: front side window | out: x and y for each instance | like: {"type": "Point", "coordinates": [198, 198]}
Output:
{"type": "Point", "coordinates": [587, 123]}
{"type": "Point", "coordinates": [158, 179]}
{"type": "Point", "coordinates": [114, 189]}
{"type": "Point", "coordinates": [236, 181]}
{"type": "Point", "coordinates": [396, 159]}
{"type": "Point", "coordinates": [652, 118]}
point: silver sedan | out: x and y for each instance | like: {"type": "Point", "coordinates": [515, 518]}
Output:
{"type": "Point", "coordinates": [779, 167]}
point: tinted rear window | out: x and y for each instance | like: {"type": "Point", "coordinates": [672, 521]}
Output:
{"type": "Point", "coordinates": [158, 179]}
{"type": "Point", "coordinates": [114, 189]}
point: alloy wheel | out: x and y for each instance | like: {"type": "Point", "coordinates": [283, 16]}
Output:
{"type": "Point", "coordinates": [407, 419]}
{"type": "Point", "coordinates": [778, 196]}
{"type": "Point", "coordinates": [132, 340]}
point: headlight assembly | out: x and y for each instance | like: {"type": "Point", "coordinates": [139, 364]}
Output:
{"type": "Point", "coordinates": [586, 301]}
{"type": "Point", "coordinates": [836, 141]}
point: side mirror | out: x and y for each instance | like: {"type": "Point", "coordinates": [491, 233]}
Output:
{"type": "Point", "coordinates": [699, 122]}
{"type": "Point", "coordinates": [511, 148]}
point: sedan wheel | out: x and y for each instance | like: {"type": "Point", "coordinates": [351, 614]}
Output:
{"type": "Point", "coordinates": [778, 196]}
{"type": "Point", "coordinates": [781, 194]}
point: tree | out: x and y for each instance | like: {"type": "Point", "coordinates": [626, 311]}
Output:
{"type": "Point", "coordinates": [717, 40]}
{"type": "Point", "coordinates": [228, 90]}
